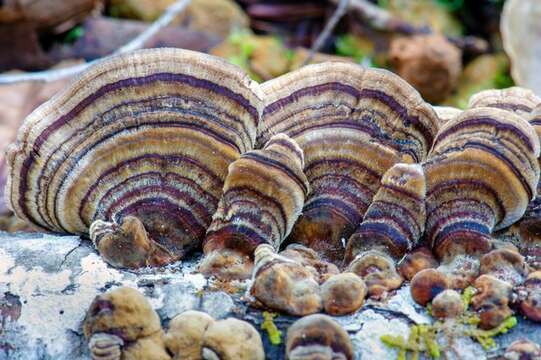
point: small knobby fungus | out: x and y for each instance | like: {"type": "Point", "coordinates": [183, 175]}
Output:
{"type": "Point", "coordinates": [138, 150]}
{"type": "Point", "coordinates": [318, 337]}
{"type": "Point", "coordinates": [353, 124]}
{"type": "Point", "coordinates": [447, 304]}
{"type": "Point", "coordinates": [263, 196]}
{"type": "Point", "coordinates": [121, 322]}
{"type": "Point", "coordinates": [415, 261]}
{"type": "Point", "coordinates": [391, 227]}
{"type": "Point", "coordinates": [232, 339]}
{"type": "Point", "coordinates": [343, 293]}
{"type": "Point", "coordinates": [284, 284]}
{"type": "Point", "coordinates": [185, 335]}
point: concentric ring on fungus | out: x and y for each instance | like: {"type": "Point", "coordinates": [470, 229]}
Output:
{"type": "Point", "coordinates": [481, 174]}
{"type": "Point", "coordinates": [262, 198]}
{"type": "Point", "coordinates": [147, 135]}
{"type": "Point", "coordinates": [352, 124]}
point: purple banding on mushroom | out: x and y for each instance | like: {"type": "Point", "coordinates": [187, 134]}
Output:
{"type": "Point", "coordinates": [263, 197]}
{"type": "Point", "coordinates": [353, 124]}
{"type": "Point", "coordinates": [146, 136]}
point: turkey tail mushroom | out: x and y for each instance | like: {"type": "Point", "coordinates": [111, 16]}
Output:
{"type": "Point", "coordinates": [353, 124]}
{"type": "Point", "coordinates": [263, 196]}
{"type": "Point", "coordinates": [139, 146]}
{"type": "Point", "coordinates": [481, 173]}
{"type": "Point", "coordinates": [516, 99]}
{"type": "Point", "coordinates": [391, 227]}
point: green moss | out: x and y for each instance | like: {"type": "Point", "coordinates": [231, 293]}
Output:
{"type": "Point", "coordinates": [422, 339]}
{"type": "Point", "coordinates": [275, 335]}
{"type": "Point", "coordinates": [355, 48]}
{"type": "Point", "coordinates": [486, 337]}
{"type": "Point", "coordinates": [467, 295]}
{"type": "Point", "coordinates": [74, 34]}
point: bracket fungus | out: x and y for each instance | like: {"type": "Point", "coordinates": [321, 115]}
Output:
{"type": "Point", "coordinates": [353, 124]}
{"type": "Point", "coordinates": [263, 196]}
{"type": "Point", "coordinates": [481, 174]}
{"type": "Point", "coordinates": [135, 152]}
{"type": "Point", "coordinates": [391, 227]}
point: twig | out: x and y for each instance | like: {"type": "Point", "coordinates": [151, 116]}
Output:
{"type": "Point", "coordinates": [138, 42]}
{"type": "Point", "coordinates": [380, 19]}
{"type": "Point", "coordinates": [341, 9]}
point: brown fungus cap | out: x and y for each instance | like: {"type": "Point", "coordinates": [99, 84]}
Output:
{"type": "Point", "coordinates": [492, 300]}
{"type": "Point", "coordinates": [427, 284]}
{"type": "Point", "coordinates": [318, 337]}
{"type": "Point", "coordinates": [123, 312]}
{"type": "Point", "coordinates": [343, 294]}
{"type": "Point", "coordinates": [415, 261]}
{"type": "Point", "coordinates": [352, 124]}
{"type": "Point", "coordinates": [447, 304]}
{"type": "Point", "coordinates": [531, 304]}
{"type": "Point", "coordinates": [284, 284]}
{"type": "Point", "coordinates": [232, 339]}
{"type": "Point", "coordinates": [185, 335]}
{"type": "Point", "coordinates": [148, 134]}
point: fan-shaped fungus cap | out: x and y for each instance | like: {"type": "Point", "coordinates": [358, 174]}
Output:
{"type": "Point", "coordinates": [516, 99]}
{"type": "Point", "coordinates": [481, 173]}
{"type": "Point", "coordinates": [318, 337]}
{"type": "Point", "coordinates": [343, 294]}
{"type": "Point", "coordinates": [531, 304]}
{"type": "Point", "coordinates": [185, 335]}
{"type": "Point", "coordinates": [284, 284]}
{"type": "Point", "coordinates": [352, 124]}
{"type": "Point", "coordinates": [492, 300]}
{"type": "Point", "coordinates": [263, 196]}
{"type": "Point", "coordinates": [415, 261]}
{"type": "Point", "coordinates": [447, 304]}
{"type": "Point", "coordinates": [426, 284]}
{"type": "Point", "coordinates": [232, 339]}
{"type": "Point", "coordinates": [149, 134]}
{"type": "Point", "coordinates": [395, 219]}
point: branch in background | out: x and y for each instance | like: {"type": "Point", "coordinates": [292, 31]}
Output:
{"type": "Point", "coordinates": [137, 43]}
{"type": "Point", "coordinates": [341, 9]}
{"type": "Point", "coordinates": [380, 19]}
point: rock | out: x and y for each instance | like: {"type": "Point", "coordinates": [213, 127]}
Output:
{"type": "Point", "coordinates": [47, 283]}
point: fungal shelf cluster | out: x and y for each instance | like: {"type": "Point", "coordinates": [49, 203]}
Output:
{"type": "Point", "coordinates": [323, 186]}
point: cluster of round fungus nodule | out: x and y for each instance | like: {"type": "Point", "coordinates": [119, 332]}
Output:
{"type": "Point", "coordinates": [121, 324]}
